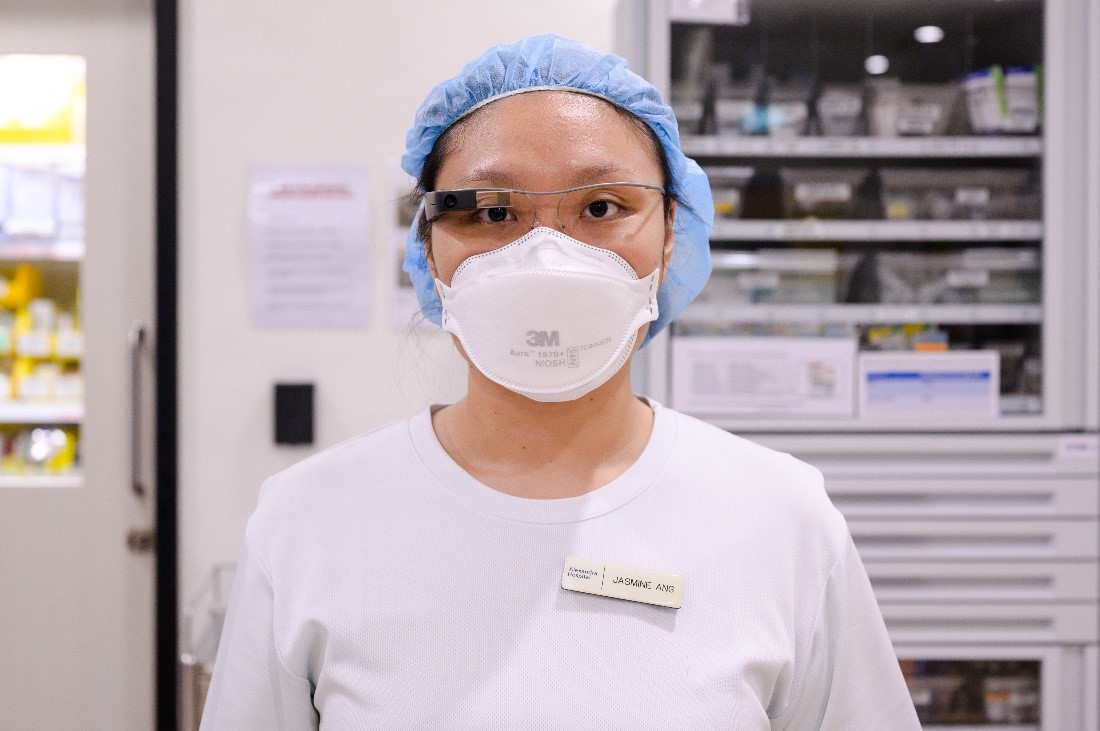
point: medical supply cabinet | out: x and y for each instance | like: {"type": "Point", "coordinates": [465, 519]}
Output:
{"type": "Point", "coordinates": [77, 247]}
{"type": "Point", "coordinates": [906, 256]}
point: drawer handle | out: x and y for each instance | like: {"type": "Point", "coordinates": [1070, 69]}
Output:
{"type": "Point", "coordinates": [962, 541]}
{"type": "Point", "coordinates": [985, 624]}
{"type": "Point", "coordinates": [1022, 500]}
{"type": "Point", "coordinates": [963, 582]}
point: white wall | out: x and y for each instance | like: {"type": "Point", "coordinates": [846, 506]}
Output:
{"type": "Point", "coordinates": [285, 80]}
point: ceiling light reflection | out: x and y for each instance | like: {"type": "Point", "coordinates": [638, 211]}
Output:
{"type": "Point", "coordinates": [929, 34]}
{"type": "Point", "coordinates": [877, 64]}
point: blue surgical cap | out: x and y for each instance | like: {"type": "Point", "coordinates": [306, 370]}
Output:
{"type": "Point", "coordinates": [551, 62]}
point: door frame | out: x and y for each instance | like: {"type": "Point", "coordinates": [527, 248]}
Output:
{"type": "Point", "coordinates": [166, 19]}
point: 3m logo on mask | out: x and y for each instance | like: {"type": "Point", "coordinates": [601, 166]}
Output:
{"type": "Point", "coordinates": [543, 338]}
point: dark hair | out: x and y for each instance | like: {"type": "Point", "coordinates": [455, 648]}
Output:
{"type": "Point", "coordinates": [443, 145]}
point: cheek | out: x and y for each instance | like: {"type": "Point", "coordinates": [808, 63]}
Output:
{"type": "Point", "coordinates": [445, 255]}
{"type": "Point", "coordinates": [644, 254]}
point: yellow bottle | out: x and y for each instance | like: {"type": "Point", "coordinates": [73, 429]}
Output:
{"type": "Point", "coordinates": [24, 286]}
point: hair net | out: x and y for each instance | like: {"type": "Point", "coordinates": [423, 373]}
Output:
{"type": "Point", "coordinates": [552, 62]}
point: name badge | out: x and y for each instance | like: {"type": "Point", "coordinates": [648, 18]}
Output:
{"type": "Point", "coordinates": [622, 582]}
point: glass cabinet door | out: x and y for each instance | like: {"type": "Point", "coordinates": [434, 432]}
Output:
{"type": "Point", "coordinates": [1012, 688]}
{"type": "Point", "coordinates": [881, 258]}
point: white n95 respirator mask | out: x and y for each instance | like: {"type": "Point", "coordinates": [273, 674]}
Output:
{"type": "Point", "coordinates": [547, 316]}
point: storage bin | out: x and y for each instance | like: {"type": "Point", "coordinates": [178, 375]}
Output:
{"type": "Point", "coordinates": [840, 111]}
{"type": "Point", "coordinates": [689, 116]}
{"type": "Point", "coordinates": [911, 109]}
{"type": "Point", "coordinates": [31, 203]}
{"type": "Point", "coordinates": [5, 197]}
{"type": "Point", "coordinates": [984, 100]}
{"type": "Point", "coordinates": [70, 203]}
{"type": "Point", "coordinates": [828, 193]}
{"type": "Point", "coordinates": [975, 276]}
{"type": "Point", "coordinates": [1004, 100]}
{"type": "Point", "coordinates": [739, 110]}
{"type": "Point", "coordinates": [1022, 96]}
{"type": "Point", "coordinates": [727, 186]}
{"type": "Point", "coordinates": [732, 116]}
{"type": "Point", "coordinates": [773, 276]}
{"type": "Point", "coordinates": [961, 194]}
{"type": "Point", "coordinates": [788, 111]}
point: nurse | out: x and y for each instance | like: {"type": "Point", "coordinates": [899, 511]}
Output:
{"type": "Point", "coordinates": [552, 551]}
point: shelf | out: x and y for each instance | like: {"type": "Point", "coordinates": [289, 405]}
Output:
{"type": "Point", "coordinates": [34, 154]}
{"type": "Point", "coordinates": [865, 314]}
{"type": "Point", "coordinates": [13, 412]}
{"type": "Point", "coordinates": [1021, 404]}
{"type": "Point", "coordinates": [41, 481]}
{"type": "Point", "coordinates": [771, 230]}
{"type": "Point", "coordinates": [42, 251]}
{"type": "Point", "coordinates": [981, 727]}
{"type": "Point", "coordinates": [902, 147]}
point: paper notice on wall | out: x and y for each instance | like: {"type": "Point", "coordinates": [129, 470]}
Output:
{"type": "Point", "coordinates": [764, 376]}
{"type": "Point", "coordinates": [310, 234]}
{"type": "Point", "coordinates": [952, 385]}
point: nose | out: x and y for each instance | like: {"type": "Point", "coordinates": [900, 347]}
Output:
{"type": "Point", "coordinates": [547, 211]}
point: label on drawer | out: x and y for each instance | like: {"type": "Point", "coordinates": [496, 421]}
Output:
{"type": "Point", "coordinates": [972, 196]}
{"type": "Point", "coordinates": [1083, 445]}
{"type": "Point", "coordinates": [968, 278]}
{"type": "Point", "coordinates": [809, 194]}
{"type": "Point", "coordinates": [758, 280]}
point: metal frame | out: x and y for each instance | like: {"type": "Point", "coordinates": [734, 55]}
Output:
{"type": "Point", "coordinates": [166, 16]}
{"type": "Point", "coordinates": [1063, 212]}
{"type": "Point", "coordinates": [1092, 225]}
{"type": "Point", "coordinates": [1071, 363]}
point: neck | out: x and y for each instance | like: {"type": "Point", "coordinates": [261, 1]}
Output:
{"type": "Point", "coordinates": [545, 450]}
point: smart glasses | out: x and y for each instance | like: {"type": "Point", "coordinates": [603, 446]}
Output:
{"type": "Point", "coordinates": [600, 214]}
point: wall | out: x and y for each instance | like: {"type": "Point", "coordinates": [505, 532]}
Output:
{"type": "Point", "coordinates": [280, 80]}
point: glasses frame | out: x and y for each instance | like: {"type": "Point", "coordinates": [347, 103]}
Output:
{"type": "Point", "coordinates": [438, 202]}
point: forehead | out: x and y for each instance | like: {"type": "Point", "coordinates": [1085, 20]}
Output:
{"type": "Point", "coordinates": [547, 140]}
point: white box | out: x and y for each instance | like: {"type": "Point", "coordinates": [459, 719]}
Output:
{"type": "Point", "coordinates": [760, 376]}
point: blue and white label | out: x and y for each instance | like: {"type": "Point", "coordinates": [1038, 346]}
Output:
{"type": "Point", "coordinates": [959, 385]}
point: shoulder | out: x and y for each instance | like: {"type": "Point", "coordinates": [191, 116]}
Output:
{"type": "Point", "coordinates": [720, 454]}
{"type": "Point", "coordinates": [353, 477]}
{"type": "Point", "coordinates": [750, 482]}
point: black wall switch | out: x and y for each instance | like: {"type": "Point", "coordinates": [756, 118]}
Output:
{"type": "Point", "coordinates": [294, 413]}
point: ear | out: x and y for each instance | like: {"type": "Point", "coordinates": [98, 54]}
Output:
{"type": "Point", "coordinates": [430, 259]}
{"type": "Point", "coordinates": [670, 239]}
{"type": "Point", "coordinates": [424, 233]}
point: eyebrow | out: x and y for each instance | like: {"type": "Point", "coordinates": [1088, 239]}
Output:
{"type": "Point", "coordinates": [495, 178]}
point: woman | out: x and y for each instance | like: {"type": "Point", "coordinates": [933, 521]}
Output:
{"type": "Point", "coordinates": [551, 550]}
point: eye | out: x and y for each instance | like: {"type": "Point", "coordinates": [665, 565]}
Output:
{"type": "Point", "coordinates": [601, 209]}
{"type": "Point", "coordinates": [494, 215]}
